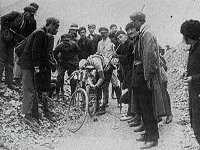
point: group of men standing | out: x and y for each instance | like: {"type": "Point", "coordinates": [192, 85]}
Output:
{"type": "Point", "coordinates": [138, 69]}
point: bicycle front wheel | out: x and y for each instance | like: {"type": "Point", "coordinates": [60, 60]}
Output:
{"type": "Point", "coordinates": [77, 110]}
{"type": "Point", "coordinates": [92, 101]}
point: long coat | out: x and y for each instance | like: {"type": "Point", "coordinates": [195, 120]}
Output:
{"type": "Point", "coordinates": [152, 70]}
{"type": "Point", "coordinates": [193, 69]}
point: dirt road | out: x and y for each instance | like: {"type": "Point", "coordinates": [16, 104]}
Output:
{"type": "Point", "coordinates": [109, 133]}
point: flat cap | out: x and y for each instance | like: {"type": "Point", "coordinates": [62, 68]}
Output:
{"type": "Point", "coordinates": [66, 36]}
{"type": "Point", "coordinates": [30, 9]}
{"type": "Point", "coordinates": [103, 29]}
{"type": "Point", "coordinates": [129, 26]}
{"type": "Point", "coordinates": [138, 16]}
{"type": "Point", "coordinates": [92, 26]}
{"type": "Point", "coordinates": [73, 26]}
{"type": "Point", "coordinates": [113, 25]}
{"type": "Point", "coordinates": [81, 28]}
{"type": "Point", "coordinates": [119, 32]}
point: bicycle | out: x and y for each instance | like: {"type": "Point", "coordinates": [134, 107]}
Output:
{"type": "Point", "coordinates": [83, 100]}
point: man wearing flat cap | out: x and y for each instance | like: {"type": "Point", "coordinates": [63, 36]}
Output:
{"type": "Point", "coordinates": [94, 37]}
{"type": "Point", "coordinates": [36, 70]}
{"type": "Point", "coordinates": [85, 44]}
{"type": "Point", "coordinates": [35, 5]}
{"type": "Point", "coordinates": [15, 27]}
{"type": "Point", "coordinates": [66, 53]}
{"type": "Point", "coordinates": [146, 80]}
{"type": "Point", "coordinates": [73, 30]}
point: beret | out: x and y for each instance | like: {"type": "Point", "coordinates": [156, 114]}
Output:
{"type": "Point", "coordinates": [138, 16]}
{"type": "Point", "coordinates": [30, 9]}
{"type": "Point", "coordinates": [101, 29]}
{"type": "Point", "coordinates": [191, 29]}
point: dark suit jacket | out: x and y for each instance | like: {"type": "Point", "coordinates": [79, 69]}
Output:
{"type": "Point", "coordinates": [193, 67]}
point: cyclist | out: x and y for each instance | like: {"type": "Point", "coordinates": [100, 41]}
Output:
{"type": "Point", "coordinates": [104, 73]}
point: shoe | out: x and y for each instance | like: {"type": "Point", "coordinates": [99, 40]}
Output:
{"type": "Point", "coordinates": [100, 112]}
{"type": "Point", "coordinates": [169, 119]}
{"type": "Point", "coordinates": [31, 122]}
{"type": "Point", "coordinates": [159, 119]}
{"type": "Point", "coordinates": [136, 118]}
{"type": "Point", "coordinates": [149, 144]}
{"type": "Point", "coordinates": [50, 116]}
{"type": "Point", "coordinates": [124, 92]}
{"type": "Point", "coordinates": [134, 124]}
{"type": "Point", "coordinates": [125, 118]}
{"type": "Point", "coordinates": [139, 129]}
{"type": "Point", "coordinates": [12, 87]}
{"type": "Point", "coordinates": [141, 138]}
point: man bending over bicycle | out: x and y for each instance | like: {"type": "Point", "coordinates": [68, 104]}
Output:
{"type": "Point", "coordinates": [103, 75]}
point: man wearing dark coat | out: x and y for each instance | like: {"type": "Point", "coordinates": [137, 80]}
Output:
{"type": "Point", "coordinates": [94, 37]}
{"type": "Point", "coordinates": [146, 80]}
{"type": "Point", "coordinates": [191, 34]}
{"type": "Point", "coordinates": [66, 53]}
{"type": "Point", "coordinates": [124, 53]}
{"type": "Point", "coordinates": [15, 27]}
{"type": "Point", "coordinates": [35, 65]}
{"type": "Point", "coordinates": [85, 44]}
{"type": "Point", "coordinates": [112, 34]}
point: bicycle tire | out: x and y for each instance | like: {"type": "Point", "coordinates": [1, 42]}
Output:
{"type": "Point", "coordinates": [92, 103]}
{"type": "Point", "coordinates": [77, 110]}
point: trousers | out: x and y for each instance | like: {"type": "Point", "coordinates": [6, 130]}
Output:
{"type": "Point", "coordinates": [30, 101]}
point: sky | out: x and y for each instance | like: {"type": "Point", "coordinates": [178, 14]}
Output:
{"type": "Point", "coordinates": [164, 16]}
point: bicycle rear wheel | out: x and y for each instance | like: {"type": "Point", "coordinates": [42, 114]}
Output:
{"type": "Point", "coordinates": [77, 110]}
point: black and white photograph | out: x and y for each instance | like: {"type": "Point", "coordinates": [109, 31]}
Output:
{"type": "Point", "coordinates": [99, 74]}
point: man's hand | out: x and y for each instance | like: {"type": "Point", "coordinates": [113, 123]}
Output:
{"type": "Point", "coordinates": [92, 86]}
{"type": "Point", "coordinates": [37, 70]}
{"type": "Point", "coordinates": [187, 80]}
{"type": "Point", "coordinates": [59, 55]}
{"type": "Point", "coordinates": [115, 56]}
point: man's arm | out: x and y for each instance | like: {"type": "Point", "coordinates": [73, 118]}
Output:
{"type": "Point", "coordinates": [37, 48]}
{"type": "Point", "coordinates": [150, 55]}
{"type": "Point", "coordinates": [6, 19]}
{"type": "Point", "coordinates": [101, 79]}
{"type": "Point", "coordinates": [90, 47]}
{"type": "Point", "coordinates": [58, 50]}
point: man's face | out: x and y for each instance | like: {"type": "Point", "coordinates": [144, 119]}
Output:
{"type": "Point", "coordinates": [122, 38]}
{"type": "Point", "coordinates": [53, 29]}
{"type": "Point", "coordinates": [162, 51]}
{"type": "Point", "coordinates": [73, 32]}
{"type": "Point", "coordinates": [137, 23]}
{"type": "Point", "coordinates": [104, 34]}
{"type": "Point", "coordinates": [82, 33]}
{"type": "Point", "coordinates": [132, 32]}
{"type": "Point", "coordinates": [113, 29]}
{"type": "Point", "coordinates": [186, 40]}
{"type": "Point", "coordinates": [91, 30]}
{"type": "Point", "coordinates": [28, 15]}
